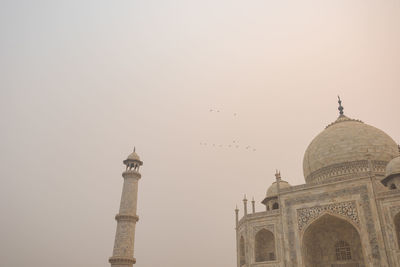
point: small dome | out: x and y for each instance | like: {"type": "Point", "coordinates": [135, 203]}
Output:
{"type": "Point", "coordinates": [133, 156]}
{"type": "Point", "coordinates": [273, 189]}
{"type": "Point", "coordinates": [344, 147]}
{"type": "Point", "coordinates": [393, 167]}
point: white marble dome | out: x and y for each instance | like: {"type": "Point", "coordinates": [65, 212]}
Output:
{"type": "Point", "coordinates": [393, 167]}
{"type": "Point", "coordinates": [273, 189]}
{"type": "Point", "coordinates": [344, 147]}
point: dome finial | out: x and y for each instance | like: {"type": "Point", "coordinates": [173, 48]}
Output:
{"type": "Point", "coordinates": [278, 175]}
{"type": "Point", "coordinates": [340, 108]}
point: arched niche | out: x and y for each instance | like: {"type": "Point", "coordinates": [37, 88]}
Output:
{"type": "Point", "coordinates": [242, 252]}
{"type": "Point", "coordinates": [264, 247]}
{"type": "Point", "coordinates": [331, 241]}
{"type": "Point", "coordinates": [397, 227]}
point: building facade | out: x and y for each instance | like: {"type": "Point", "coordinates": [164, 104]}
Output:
{"type": "Point", "coordinates": [347, 214]}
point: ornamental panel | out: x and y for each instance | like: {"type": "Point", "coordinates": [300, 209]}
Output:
{"type": "Point", "coordinates": [346, 209]}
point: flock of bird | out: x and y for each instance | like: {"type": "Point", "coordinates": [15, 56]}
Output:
{"type": "Point", "coordinates": [233, 144]}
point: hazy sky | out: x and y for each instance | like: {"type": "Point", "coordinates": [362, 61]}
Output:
{"type": "Point", "coordinates": [82, 82]}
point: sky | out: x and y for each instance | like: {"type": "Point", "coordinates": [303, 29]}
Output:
{"type": "Point", "coordinates": [84, 82]}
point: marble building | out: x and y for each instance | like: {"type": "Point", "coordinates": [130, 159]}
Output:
{"type": "Point", "coordinates": [123, 252]}
{"type": "Point", "coordinates": [347, 214]}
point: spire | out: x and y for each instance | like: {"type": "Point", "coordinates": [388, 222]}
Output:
{"type": "Point", "coordinates": [245, 205]}
{"type": "Point", "coordinates": [342, 117]}
{"type": "Point", "coordinates": [236, 216]}
{"type": "Point", "coordinates": [134, 149]}
{"type": "Point", "coordinates": [278, 175]}
{"type": "Point", "coordinates": [340, 108]}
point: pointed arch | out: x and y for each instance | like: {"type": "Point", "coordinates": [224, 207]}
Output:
{"type": "Point", "coordinates": [335, 215]}
{"type": "Point", "coordinates": [264, 247]}
{"type": "Point", "coordinates": [330, 241]}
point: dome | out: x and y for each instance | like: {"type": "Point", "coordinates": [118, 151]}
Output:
{"type": "Point", "coordinates": [344, 147]}
{"type": "Point", "coordinates": [393, 167]}
{"type": "Point", "coordinates": [273, 189]}
{"type": "Point", "coordinates": [134, 156]}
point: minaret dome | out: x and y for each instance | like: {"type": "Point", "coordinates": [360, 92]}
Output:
{"type": "Point", "coordinates": [133, 161]}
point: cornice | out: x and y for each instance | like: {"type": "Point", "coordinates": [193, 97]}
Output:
{"type": "Point", "coordinates": [121, 260]}
{"type": "Point", "coordinates": [126, 217]}
{"type": "Point", "coordinates": [131, 174]}
{"type": "Point", "coordinates": [258, 215]}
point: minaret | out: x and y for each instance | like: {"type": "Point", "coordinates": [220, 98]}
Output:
{"type": "Point", "coordinates": [237, 216]}
{"type": "Point", "coordinates": [127, 218]}
{"type": "Point", "coordinates": [245, 205]}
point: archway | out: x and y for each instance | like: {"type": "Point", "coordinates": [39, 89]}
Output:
{"type": "Point", "coordinates": [264, 246]}
{"type": "Point", "coordinates": [332, 241]}
{"type": "Point", "coordinates": [242, 252]}
{"type": "Point", "coordinates": [397, 227]}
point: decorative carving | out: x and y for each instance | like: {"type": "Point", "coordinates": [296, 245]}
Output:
{"type": "Point", "coordinates": [345, 168]}
{"type": "Point", "coordinates": [347, 209]}
{"type": "Point", "coordinates": [365, 205]}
